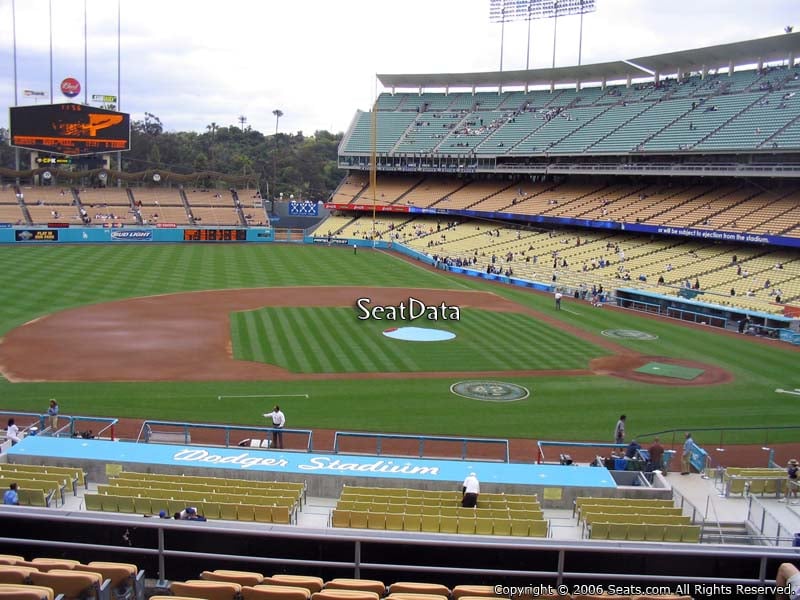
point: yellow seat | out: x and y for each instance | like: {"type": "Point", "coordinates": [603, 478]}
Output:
{"type": "Point", "coordinates": [673, 533]}
{"type": "Point", "coordinates": [617, 531]}
{"type": "Point", "coordinates": [412, 522]}
{"type": "Point", "coordinates": [654, 533]}
{"type": "Point", "coordinates": [538, 528]}
{"type": "Point", "coordinates": [72, 584]}
{"type": "Point", "coordinates": [228, 511]}
{"type": "Point", "coordinates": [519, 527]}
{"type": "Point", "coordinates": [637, 532]}
{"type": "Point", "coordinates": [448, 524]}
{"type": "Point", "coordinates": [501, 526]}
{"type": "Point", "coordinates": [340, 518]}
{"type": "Point", "coordinates": [394, 521]}
{"type": "Point", "coordinates": [690, 533]}
{"type": "Point", "coordinates": [466, 525]}
{"type": "Point", "coordinates": [598, 530]}
{"type": "Point", "coordinates": [358, 519]}
{"type": "Point", "coordinates": [430, 523]}
{"type": "Point", "coordinates": [376, 520]}
{"type": "Point", "coordinates": [246, 512]}
{"type": "Point", "coordinates": [483, 526]}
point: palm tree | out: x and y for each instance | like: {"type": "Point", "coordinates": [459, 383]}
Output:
{"type": "Point", "coordinates": [278, 114]}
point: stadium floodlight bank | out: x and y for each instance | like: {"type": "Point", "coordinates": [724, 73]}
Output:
{"type": "Point", "coordinates": [523, 10]}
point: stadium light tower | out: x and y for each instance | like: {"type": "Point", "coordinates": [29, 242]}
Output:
{"type": "Point", "coordinates": [502, 11]}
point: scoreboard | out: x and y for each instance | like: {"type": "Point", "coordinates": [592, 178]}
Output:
{"type": "Point", "coordinates": [69, 128]}
{"type": "Point", "coordinates": [214, 235]}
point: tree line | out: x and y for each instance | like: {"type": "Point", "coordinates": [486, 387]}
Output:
{"type": "Point", "coordinates": [288, 163]}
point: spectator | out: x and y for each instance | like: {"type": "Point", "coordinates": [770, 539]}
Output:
{"type": "Point", "coordinates": [12, 432]}
{"type": "Point", "coordinates": [470, 490]}
{"type": "Point", "coordinates": [686, 457]}
{"type": "Point", "coordinates": [52, 414]}
{"type": "Point", "coordinates": [278, 423]}
{"type": "Point", "coordinates": [189, 514]}
{"type": "Point", "coordinates": [619, 431]}
{"type": "Point", "coordinates": [632, 449]}
{"type": "Point", "coordinates": [11, 496]}
{"type": "Point", "coordinates": [656, 454]}
{"type": "Point", "coordinates": [793, 480]}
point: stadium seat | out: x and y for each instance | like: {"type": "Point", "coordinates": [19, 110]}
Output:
{"type": "Point", "coordinates": [448, 524]}
{"type": "Point", "coordinates": [240, 577]}
{"type": "Point", "coordinates": [690, 533]}
{"type": "Point", "coordinates": [394, 521]}
{"type": "Point", "coordinates": [275, 592]}
{"type": "Point", "coordinates": [344, 595]}
{"type": "Point", "coordinates": [483, 526]}
{"type": "Point", "coordinates": [412, 587]}
{"type": "Point", "coordinates": [599, 530]}
{"type": "Point", "coordinates": [617, 531]}
{"type": "Point", "coordinates": [10, 559]}
{"type": "Point", "coordinates": [209, 590]}
{"type": "Point", "coordinates": [309, 582]}
{"type": "Point", "coordinates": [501, 526]}
{"type": "Point", "coordinates": [369, 585]}
{"type": "Point", "coordinates": [25, 592]}
{"type": "Point", "coordinates": [637, 532]}
{"type": "Point", "coordinates": [654, 533]}
{"type": "Point", "coordinates": [358, 519]}
{"type": "Point", "coordinates": [485, 591]}
{"type": "Point", "coordinates": [673, 533]}
{"type": "Point", "coordinates": [412, 522]}
{"type": "Point", "coordinates": [466, 525]}
{"type": "Point", "coordinates": [71, 584]}
{"type": "Point", "coordinates": [15, 574]}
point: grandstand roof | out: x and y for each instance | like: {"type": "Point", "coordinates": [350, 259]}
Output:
{"type": "Point", "coordinates": [770, 49]}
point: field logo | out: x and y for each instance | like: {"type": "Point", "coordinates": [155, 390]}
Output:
{"type": "Point", "coordinates": [490, 391]}
{"type": "Point", "coordinates": [629, 334]}
{"type": "Point", "coordinates": [418, 334]}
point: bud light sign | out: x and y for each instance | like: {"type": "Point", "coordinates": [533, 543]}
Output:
{"type": "Point", "coordinates": [132, 235]}
{"type": "Point", "coordinates": [70, 87]}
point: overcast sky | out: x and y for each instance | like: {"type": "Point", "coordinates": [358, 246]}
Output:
{"type": "Point", "coordinates": [193, 63]}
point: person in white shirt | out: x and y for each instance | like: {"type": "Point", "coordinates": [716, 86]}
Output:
{"type": "Point", "coordinates": [470, 491]}
{"type": "Point", "coordinates": [12, 432]}
{"type": "Point", "coordinates": [278, 423]}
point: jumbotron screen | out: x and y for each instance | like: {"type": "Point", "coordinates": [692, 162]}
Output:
{"type": "Point", "coordinates": [69, 129]}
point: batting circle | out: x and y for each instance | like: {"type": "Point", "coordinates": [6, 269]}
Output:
{"type": "Point", "coordinates": [629, 334]}
{"type": "Point", "coordinates": [490, 391]}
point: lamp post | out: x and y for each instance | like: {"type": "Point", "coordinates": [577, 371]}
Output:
{"type": "Point", "coordinates": [278, 114]}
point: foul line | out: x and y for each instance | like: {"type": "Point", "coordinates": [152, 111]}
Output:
{"type": "Point", "coordinates": [267, 396]}
{"type": "Point", "coordinates": [795, 392]}
{"type": "Point", "coordinates": [572, 312]}
{"type": "Point", "coordinates": [455, 279]}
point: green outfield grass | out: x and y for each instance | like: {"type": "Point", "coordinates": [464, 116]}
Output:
{"type": "Point", "coordinates": [36, 281]}
{"type": "Point", "coordinates": [334, 340]}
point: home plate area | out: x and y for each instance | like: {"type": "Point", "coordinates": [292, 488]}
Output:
{"type": "Point", "coordinates": [675, 371]}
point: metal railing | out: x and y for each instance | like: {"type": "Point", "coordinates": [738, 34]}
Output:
{"type": "Point", "coordinates": [768, 527]}
{"type": "Point", "coordinates": [422, 440]}
{"type": "Point", "coordinates": [367, 549]}
{"type": "Point", "coordinates": [39, 424]}
{"type": "Point", "coordinates": [734, 435]}
{"type": "Point", "coordinates": [181, 433]}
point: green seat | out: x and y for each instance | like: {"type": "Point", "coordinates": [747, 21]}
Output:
{"type": "Point", "coordinates": [412, 521]}
{"type": "Point", "coordinates": [93, 501]}
{"type": "Point", "coordinates": [125, 504]}
{"type": "Point", "coordinates": [109, 503]}
{"type": "Point", "coordinates": [690, 533]}
{"type": "Point", "coordinates": [673, 533]}
{"type": "Point", "coordinates": [598, 530]}
{"type": "Point", "coordinates": [637, 532]}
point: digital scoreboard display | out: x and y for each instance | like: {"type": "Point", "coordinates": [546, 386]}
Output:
{"type": "Point", "coordinates": [69, 129]}
{"type": "Point", "coordinates": [214, 235]}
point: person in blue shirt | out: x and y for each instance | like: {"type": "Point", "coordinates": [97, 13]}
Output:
{"type": "Point", "coordinates": [11, 496]}
{"type": "Point", "coordinates": [52, 413]}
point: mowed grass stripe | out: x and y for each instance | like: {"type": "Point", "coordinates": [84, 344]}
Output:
{"type": "Point", "coordinates": [269, 338]}
{"type": "Point", "coordinates": [258, 339]}
{"type": "Point", "coordinates": [381, 349]}
{"type": "Point", "coordinates": [507, 336]}
{"type": "Point", "coordinates": [320, 332]}
{"type": "Point", "coordinates": [297, 359]}
{"type": "Point", "coordinates": [337, 325]}
{"type": "Point", "coordinates": [315, 354]}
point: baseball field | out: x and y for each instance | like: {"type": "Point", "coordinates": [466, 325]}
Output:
{"type": "Point", "coordinates": [161, 332]}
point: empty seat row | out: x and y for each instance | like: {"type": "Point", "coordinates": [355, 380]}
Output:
{"type": "Point", "coordinates": [229, 511]}
{"type": "Point", "coordinates": [644, 532]}
{"type": "Point", "coordinates": [432, 523]}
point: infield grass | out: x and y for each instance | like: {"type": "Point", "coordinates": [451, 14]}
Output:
{"type": "Point", "coordinates": [36, 281]}
{"type": "Point", "coordinates": [333, 340]}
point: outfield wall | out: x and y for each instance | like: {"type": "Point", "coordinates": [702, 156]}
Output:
{"type": "Point", "coordinates": [97, 235]}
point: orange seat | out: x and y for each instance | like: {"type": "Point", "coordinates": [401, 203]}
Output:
{"type": "Point", "coordinates": [311, 583]}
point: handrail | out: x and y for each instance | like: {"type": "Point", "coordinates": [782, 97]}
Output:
{"type": "Point", "coordinates": [422, 439]}
{"type": "Point", "coordinates": [366, 539]}
{"type": "Point", "coordinates": [721, 430]}
{"type": "Point", "coordinates": [69, 428]}
{"type": "Point", "coordinates": [145, 430]}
